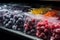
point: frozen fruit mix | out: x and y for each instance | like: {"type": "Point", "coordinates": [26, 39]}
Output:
{"type": "Point", "coordinates": [46, 27]}
{"type": "Point", "coordinates": [42, 29]}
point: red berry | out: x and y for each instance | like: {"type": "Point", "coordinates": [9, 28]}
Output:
{"type": "Point", "coordinates": [42, 35]}
{"type": "Point", "coordinates": [56, 36]}
{"type": "Point", "coordinates": [46, 26]}
{"type": "Point", "coordinates": [33, 20]}
{"type": "Point", "coordinates": [42, 28]}
{"type": "Point", "coordinates": [38, 24]}
{"type": "Point", "coordinates": [52, 38]}
{"type": "Point", "coordinates": [37, 28]}
{"type": "Point", "coordinates": [37, 34]}
{"type": "Point", "coordinates": [52, 26]}
{"type": "Point", "coordinates": [58, 30]}
{"type": "Point", "coordinates": [45, 30]}
{"type": "Point", "coordinates": [25, 25]}
{"type": "Point", "coordinates": [53, 34]}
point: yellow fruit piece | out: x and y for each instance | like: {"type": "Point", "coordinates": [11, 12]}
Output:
{"type": "Point", "coordinates": [38, 11]}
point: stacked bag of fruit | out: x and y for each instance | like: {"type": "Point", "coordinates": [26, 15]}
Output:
{"type": "Point", "coordinates": [32, 18]}
{"type": "Point", "coordinates": [43, 23]}
{"type": "Point", "coordinates": [12, 19]}
{"type": "Point", "coordinates": [29, 26]}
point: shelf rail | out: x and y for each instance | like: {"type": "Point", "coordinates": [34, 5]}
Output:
{"type": "Point", "coordinates": [20, 33]}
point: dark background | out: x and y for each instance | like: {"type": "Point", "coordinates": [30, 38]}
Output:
{"type": "Point", "coordinates": [35, 3]}
{"type": "Point", "coordinates": [6, 35]}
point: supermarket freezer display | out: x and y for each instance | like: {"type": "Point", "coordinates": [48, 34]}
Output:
{"type": "Point", "coordinates": [41, 23]}
{"type": "Point", "coordinates": [12, 18]}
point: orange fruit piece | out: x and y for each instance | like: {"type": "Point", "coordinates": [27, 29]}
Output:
{"type": "Point", "coordinates": [51, 13]}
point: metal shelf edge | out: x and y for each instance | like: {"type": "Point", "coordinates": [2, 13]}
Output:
{"type": "Point", "coordinates": [20, 33]}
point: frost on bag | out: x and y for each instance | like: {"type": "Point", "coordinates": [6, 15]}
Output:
{"type": "Point", "coordinates": [41, 26]}
{"type": "Point", "coordinates": [2, 14]}
{"type": "Point", "coordinates": [30, 23]}
{"type": "Point", "coordinates": [14, 19]}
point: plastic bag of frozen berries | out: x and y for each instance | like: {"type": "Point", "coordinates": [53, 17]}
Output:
{"type": "Point", "coordinates": [41, 26]}
{"type": "Point", "coordinates": [30, 23]}
{"type": "Point", "coordinates": [14, 20]}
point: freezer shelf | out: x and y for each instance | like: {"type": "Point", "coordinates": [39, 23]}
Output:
{"type": "Point", "coordinates": [20, 33]}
